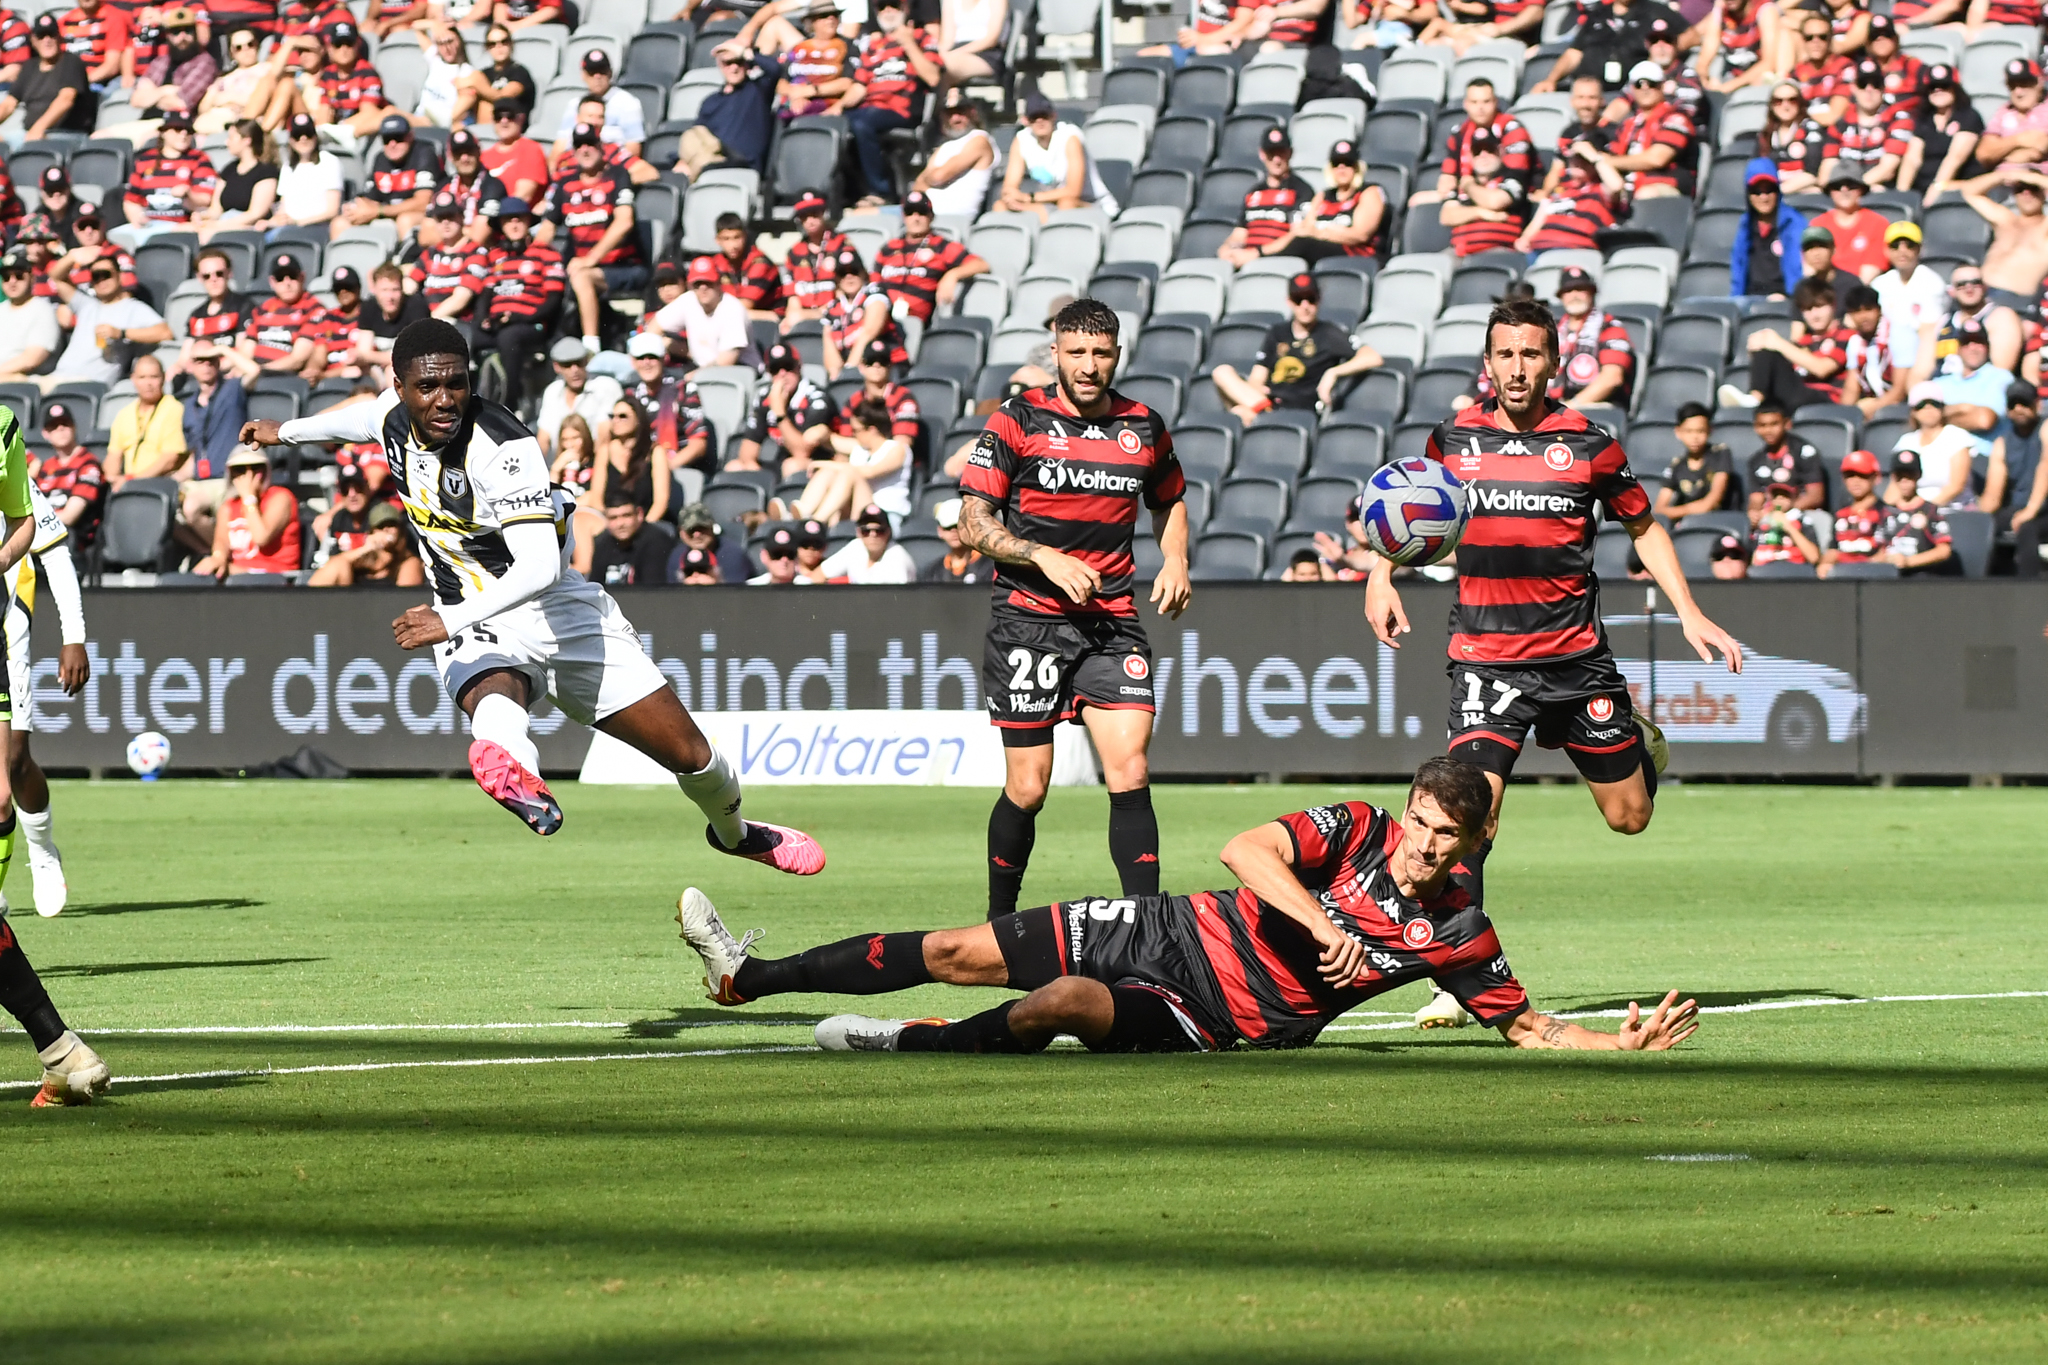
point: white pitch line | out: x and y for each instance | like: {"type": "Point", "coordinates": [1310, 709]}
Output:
{"type": "Point", "coordinates": [234, 1074]}
{"type": "Point", "coordinates": [1753, 1008]}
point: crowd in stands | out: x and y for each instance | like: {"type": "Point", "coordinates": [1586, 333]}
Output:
{"type": "Point", "coordinates": [756, 279]}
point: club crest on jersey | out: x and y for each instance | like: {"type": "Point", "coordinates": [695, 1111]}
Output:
{"type": "Point", "coordinates": [1601, 708]}
{"type": "Point", "coordinates": [1127, 441]}
{"type": "Point", "coordinates": [1136, 667]}
{"type": "Point", "coordinates": [1418, 933]}
{"type": "Point", "coordinates": [454, 483]}
{"type": "Point", "coordinates": [1557, 455]}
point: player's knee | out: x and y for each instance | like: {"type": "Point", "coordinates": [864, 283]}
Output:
{"type": "Point", "coordinates": [1632, 818]}
{"type": "Point", "coordinates": [1072, 1004]}
{"type": "Point", "coordinates": [959, 957]}
{"type": "Point", "coordinates": [1127, 774]}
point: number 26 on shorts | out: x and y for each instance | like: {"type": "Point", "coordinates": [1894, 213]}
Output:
{"type": "Point", "coordinates": [1048, 671]}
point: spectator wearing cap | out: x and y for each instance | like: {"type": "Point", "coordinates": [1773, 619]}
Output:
{"type": "Point", "coordinates": [309, 180]}
{"type": "Point", "coordinates": [633, 550]}
{"type": "Point", "coordinates": [258, 527]}
{"type": "Point", "coordinates": [733, 122]}
{"type": "Point", "coordinates": [956, 177]}
{"type": "Point", "coordinates": [274, 340]}
{"type": "Point", "coordinates": [1728, 558]}
{"type": "Point", "coordinates": [810, 552]}
{"type": "Point", "coordinates": [588, 217]}
{"type": "Point", "coordinates": [778, 560]}
{"type": "Point", "coordinates": [519, 162]}
{"type": "Point", "coordinates": [380, 553]}
{"type": "Point", "coordinates": [792, 412]}
{"type": "Point", "coordinates": [1651, 146]}
{"type": "Point", "coordinates": [388, 311]}
{"type": "Point", "coordinates": [702, 534]}
{"type": "Point", "coordinates": [750, 276]}
{"type": "Point", "coordinates": [1856, 233]}
{"type": "Point", "coordinates": [1972, 387]}
{"type": "Point", "coordinates": [1784, 458]}
{"type": "Point", "coordinates": [807, 265]}
{"type": "Point", "coordinates": [870, 466]}
{"type": "Point", "coordinates": [28, 324]}
{"type": "Point", "coordinates": [1859, 523]}
{"type": "Point", "coordinates": [169, 183]}
{"type": "Point", "coordinates": [1916, 534]}
{"type": "Point", "coordinates": [1945, 133]}
{"type": "Point", "coordinates": [877, 380]}
{"type": "Point", "coordinates": [1587, 198]}
{"type": "Point", "coordinates": [693, 569]}
{"type": "Point", "coordinates": [624, 121]}
{"type": "Point", "coordinates": [1702, 478]}
{"type": "Point", "coordinates": [2017, 261]}
{"type": "Point", "coordinates": [629, 463]}
{"type": "Point", "coordinates": [1972, 306]}
{"type": "Point", "coordinates": [111, 326]}
{"type": "Point", "coordinates": [1778, 532]}
{"type": "Point", "coordinates": [52, 93]}
{"type": "Point", "coordinates": [347, 96]}
{"type": "Point", "coordinates": [332, 330]}
{"type": "Point", "coordinates": [91, 232]}
{"type": "Point", "coordinates": [1272, 205]}
{"type": "Point", "coordinates": [146, 439]}
{"type": "Point", "coordinates": [713, 321]}
{"type": "Point", "coordinates": [1490, 208]}
{"type": "Point", "coordinates": [2017, 134]}
{"type": "Point", "coordinates": [214, 414]}
{"type": "Point", "coordinates": [470, 184]}
{"type": "Point", "coordinates": [1867, 147]}
{"type": "Point", "coordinates": [1817, 262]}
{"type": "Point", "coordinates": [858, 316]}
{"type": "Point", "coordinates": [70, 476]}
{"type": "Point", "coordinates": [1764, 262]}
{"type": "Point", "coordinates": [446, 91]}
{"type": "Point", "coordinates": [619, 156]}
{"type": "Point", "coordinates": [1795, 371]}
{"type": "Point", "coordinates": [894, 64]}
{"type": "Point", "coordinates": [403, 174]}
{"type": "Point", "coordinates": [1903, 73]}
{"type": "Point", "coordinates": [57, 204]}
{"type": "Point", "coordinates": [676, 414]}
{"type": "Point", "coordinates": [177, 77]}
{"type": "Point", "coordinates": [522, 285]}
{"type": "Point", "coordinates": [446, 275]}
{"type": "Point", "coordinates": [1347, 216]}
{"type": "Point", "coordinates": [1612, 40]}
{"type": "Point", "coordinates": [575, 389]}
{"type": "Point", "coordinates": [504, 84]}
{"type": "Point", "coordinates": [2014, 488]}
{"type": "Point", "coordinates": [873, 556]}
{"type": "Point", "coordinates": [1913, 297]}
{"type": "Point", "coordinates": [814, 67]}
{"type": "Point", "coordinates": [1049, 166]}
{"type": "Point", "coordinates": [245, 190]}
{"type": "Point", "coordinates": [961, 563]}
{"type": "Point", "coordinates": [1942, 451]}
{"type": "Point", "coordinates": [1299, 361]}
{"type": "Point", "coordinates": [921, 270]}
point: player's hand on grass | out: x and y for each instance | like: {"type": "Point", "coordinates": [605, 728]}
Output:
{"type": "Point", "coordinates": [260, 434]}
{"type": "Point", "coordinates": [1383, 609]}
{"type": "Point", "coordinates": [1342, 959]}
{"type": "Point", "coordinates": [73, 669]}
{"type": "Point", "coordinates": [420, 626]}
{"type": "Point", "coordinates": [1068, 574]}
{"type": "Point", "coordinates": [1702, 633]}
{"type": "Point", "coordinates": [1171, 592]}
{"type": "Point", "coordinates": [1668, 1025]}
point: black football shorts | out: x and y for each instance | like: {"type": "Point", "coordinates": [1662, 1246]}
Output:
{"type": "Point", "coordinates": [1144, 948]}
{"type": "Point", "coordinates": [1579, 705]}
{"type": "Point", "coordinates": [1041, 670]}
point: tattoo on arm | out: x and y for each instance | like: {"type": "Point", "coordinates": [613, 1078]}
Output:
{"type": "Point", "coordinates": [1553, 1032]}
{"type": "Point", "coordinates": [980, 530]}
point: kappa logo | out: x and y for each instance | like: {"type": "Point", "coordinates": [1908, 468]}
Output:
{"type": "Point", "coordinates": [1557, 455]}
{"type": "Point", "coordinates": [1136, 668]}
{"type": "Point", "coordinates": [1127, 441]}
{"type": "Point", "coordinates": [1513, 448]}
{"type": "Point", "coordinates": [1601, 709]}
{"type": "Point", "coordinates": [1094, 433]}
{"type": "Point", "coordinates": [1418, 933]}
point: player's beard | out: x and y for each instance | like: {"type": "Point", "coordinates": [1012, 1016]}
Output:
{"type": "Point", "coordinates": [1528, 408]}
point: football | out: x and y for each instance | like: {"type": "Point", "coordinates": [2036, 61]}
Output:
{"type": "Point", "coordinates": [1413, 511]}
{"type": "Point", "coordinates": [149, 753]}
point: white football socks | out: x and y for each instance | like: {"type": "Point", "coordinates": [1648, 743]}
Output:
{"type": "Point", "coordinates": [503, 722]}
{"type": "Point", "coordinates": [36, 825]}
{"type": "Point", "coordinates": [716, 790]}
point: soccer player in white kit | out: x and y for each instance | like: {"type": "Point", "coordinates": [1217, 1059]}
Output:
{"type": "Point", "coordinates": [511, 621]}
{"type": "Point", "coordinates": [34, 571]}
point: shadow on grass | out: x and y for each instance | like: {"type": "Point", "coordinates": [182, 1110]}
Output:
{"type": "Point", "coordinates": [690, 1020]}
{"type": "Point", "coordinates": [126, 968]}
{"type": "Point", "coordinates": [143, 907]}
{"type": "Point", "coordinates": [1713, 999]}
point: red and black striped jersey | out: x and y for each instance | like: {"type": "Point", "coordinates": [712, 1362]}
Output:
{"type": "Point", "coordinates": [1073, 483]}
{"type": "Point", "coordinates": [903, 412]}
{"type": "Point", "coordinates": [12, 210]}
{"type": "Point", "coordinates": [1270, 210]}
{"type": "Point", "coordinates": [345, 93]}
{"type": "Point", "coordinates": [910, 270]}
{"type": "Point", "coordinates": [1902, 77]}
{"type": "Point", "coordinates": [807, 270]}
{"type": "Point", "coordinates": [1664, 126]}
{"type": "Point", "coordinates": [392, 182]}
{"type": "Point", "coordinates": [296, 18]}
{"type": "Point", "coordinates": [220, 320]}
{"type": "Point", "coordinates": [519, 283]}
{"type": "Point", "coordinates": [808, 406]}
{"type": "Point", "coordinates": [1486, 234]}
{"type": "Point", "coordinates": [847, 313]}
{"type": "Point", "coordinates": [332, 333]}
{"type": "Point", "coordinates": [1268, 965]}
{"type": "Point", "coordinates": [13, 38]}
{"type": "Point", "coordinates": [1526, 589]}
{"type": "Point", "coordinates": [1341, 211]}
{"type": "Point", "coordinates": [274, 326]}
{"type": "Point", "coordinates": [674, 409]}
{"type": "Point", "coordinates": [1741, 35]}
{"type": "Point", "coordinates": [225, 16]}
{"type": "Point", "coordinates": [93, 38]}
{"type": "Point", "coordinates": [160, 183]}
{"type": "Point", "coordinates": [885, 74]}
{"type": "Point", "coordinates": [1833, 345]}
{"type": "Point", "coordinates": [478, 195]}
{"type": "Point", "coordinates": [1914, 528]}
{"type": "Point", "coordinates": [440, 271]}
{"type": "Point", "coordinates": [582, 208]}
{"type": "Point", "coordinates": [1794, 147]}
{"type": "Point", "coordinates": [1859, 531]}
{"type": "Point", "coordinates": [1573, 216]}
{"type": "Point", "coordinates": [1861, 143]}
{"type": "Point", "coordinates": [1517, 148]}
{"type": "Point", "coordinates": [1823, 80]}
{"type": "Point", "coordinates": [122, 261]}
{"type": "Point", "coordinates": [2014, 13]}
{"type": "Point", "coordinates": [1295, 32]}
{"type": "Point", "coordinates": [755, 281]}
{"type": "Point", "coordinates": [1579, 132]}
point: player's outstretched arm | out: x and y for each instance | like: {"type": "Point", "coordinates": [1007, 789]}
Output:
{"type": "Point", "coordinates": [1171, 592]}
{"type": "Point", "coordinates": [1383, 605]}
{"type": "Point", "coordinates": [1670, 1024]}
{"type": "Point", "coordinates": [1660, 557]}
{"type": "Point", "coordinates": [1262, 860]}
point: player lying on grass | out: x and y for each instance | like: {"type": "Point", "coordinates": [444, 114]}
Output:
{"type": "Point", "coordinates": [1338, 904]}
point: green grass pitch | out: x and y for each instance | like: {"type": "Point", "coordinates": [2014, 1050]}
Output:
{"type": "Point", "coordinates": [1386, 1196]}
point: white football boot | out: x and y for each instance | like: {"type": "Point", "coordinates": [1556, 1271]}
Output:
{"type": "Point", "coordinates": [1443, 1011]}
{"type": "Point", "coordinates": [859, 1033]}
{"type": "Point", "coordinates": [72, 1073]}
{"type": "Point", "coordinates": [723, 954]}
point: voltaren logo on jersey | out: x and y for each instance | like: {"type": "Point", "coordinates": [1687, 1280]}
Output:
{"type": "Point", "coordinates": [1054, 476]}
{"type": "Point", "coordinates": [1520, 500]}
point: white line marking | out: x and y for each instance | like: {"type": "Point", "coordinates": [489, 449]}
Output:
{"type": "Point", "coordinates": [1701, 1156]}
{"type": "Point", "coordinates": [1753, 1008]}
{"type": "Point", "coordinates": [231, 1074]}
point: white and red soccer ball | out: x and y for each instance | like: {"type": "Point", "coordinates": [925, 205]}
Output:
{"type": "Point", "coordinates": [1413, 511]}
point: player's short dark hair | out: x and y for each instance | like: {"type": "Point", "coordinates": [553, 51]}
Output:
{"type": "Point", "coordinates": [1860, 297]}
{"type": "Point", "coordinates": [873, 413]}
{"type": "Point", "coordinates": [1524, 313]}
{"type": "Point", "coordinates": [428, 336]}
{"type": "Point", "coordinates": [1688, 411]}
{"type": "Point", "coordinates": [1810, 292]}
{"type": "Point", "coordinates": [1460, 788]}
{"type": "Point", "coordinates": [729, 222]}
{"type": "Point", "coordinates": [1090, 317]}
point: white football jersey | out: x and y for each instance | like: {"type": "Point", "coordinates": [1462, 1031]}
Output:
{"type": "Point", "coordinates": [50, 530]}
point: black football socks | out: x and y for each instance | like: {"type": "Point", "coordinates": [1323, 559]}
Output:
{"type": "Point", "coordinates": [1649, 773]}
{"type": "Point", "coordinates": [22, 994]}
{"type": "Point", "coordinates": [1012, 831]}
{"type": "Point", "coordinates": [870, 964]}
{"type": "Point", "coordinates": [1134, 841]}
{"type": "Point", "coordinates": [988, 1031]}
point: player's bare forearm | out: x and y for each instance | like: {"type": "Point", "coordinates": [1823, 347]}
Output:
{"type": "Point", "coordinates": [1262, 860]}
{"type": "Point", "coordinates": [261, 434]}
{"type": "Point", "coordinates": [419, 627]}
{"type": "Point", "coordinates": [980, 530]}
{"type": "Point", "coordinates": [1660, 557]}
{"type": "Point", "coordinates": [1171, 591]}
{"type": "Point", "coordinates": [73, 669]}
{"type": "Point", "coordinates": [1383, 608]}
{"type": "Point", "coordinates": [1668, 1025]}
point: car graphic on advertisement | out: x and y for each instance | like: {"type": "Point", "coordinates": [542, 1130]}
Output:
{"type": "Point", "coordinates": [1791, 703]}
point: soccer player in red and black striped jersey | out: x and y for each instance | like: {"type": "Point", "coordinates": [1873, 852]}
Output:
{"type": "Point", "coordinates": [1334, 906]}
{"type": "Point", "coordinates": [922, 270]}
{"type": "Point", "coordinates": [1527, 648]}
{"type": "Point", "coordinates": [1066, 466]}
{"type": "Point", "coordinates": [1271, 207]}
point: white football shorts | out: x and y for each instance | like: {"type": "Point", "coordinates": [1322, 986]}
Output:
{"type": "Point", "coordinates": [19, 666]}
{"type": "Point", "coordinates": [572, 643]}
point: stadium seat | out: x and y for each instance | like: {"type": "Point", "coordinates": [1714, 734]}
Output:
{"type": "Point", "coordinates": [1634, 282]}
{"type": "Point", "coordinates": [1456, 338]}
{"type": "Point", "coordinates": [1163, 186]}
{"type": "Point", "coordinates": [136, 525]}
{"type": "Point", "coordinates": [1182, 141]}
{"type": "Point", "coordinates": [1669, 218]}
{"type": "Point", "coordinates": [986, 296]}
{"type": "Point", "coordinates": [1169, 348]}
{"type": "Point", "coordinates": [1406, 292]}
{"type": "Point", "coordinates": [1313, 133]}
{"type": "Point", "coordinates": [1702, 280]}
{"type": "Point", "coordinates": [1229, 556]}
{"type": "Point", "coordinates": [1396, 136]}
{"type": "Point", "coordinates": [1436, 386]}
{"type": "Point", "coordinates": [1423, 232]}
{"type": "Point", "coordinates": [1660, 394]}
{"type": "Point", "coordinates": [1268, 83]}
{"type": "Point", "coordinates": [655, 59]}
{"type": "Point", "coordinates": [1395, 338]}
{"type": "Point", "coordinates": [1272, 445]}
{"type": "Point", "coordinates": [689, 93]}
{"type": "Point", "coordinates": [1956, 230]}
{"type": "Point", "coordinates": [1694, 545]}
{"type": "Point", "coordinates": [1119, 133]}
{"type": "Point", "coordinates": [1160, 392]}
{"type": "Point", "coordinates": [1143, 85]}
{"type": "Point", "coordinates": [1237, 146]}
{"type": "Point", "coordinates": [1070, 248]}
{"type": "Point", "coordinates": [1185, 291]}
{"type": "Point", "coordinates": [1346, 293]}
{"type": "Point", "coordinates": [1380, 393]}
{"type": "Point", "coordinates": [1347, 449]}
{"type": "Point", "coordinates": [1221, 198]}
{"type": "Point", "coordinates": [1694, 339]}
{"type": "Point", "coordinates": [1250, 504]}
{"type": "Point", "coordinates": [98, 163]}
{"type": "Point", "coordinates": [1005, 243]}
{"type": "Point", "coordinates": [1205, 87]}
{"type": "Point", "coordinates": [1411, 438]}
{"type": "Point", "coordinates": [1320, 502]}
{"type": "Point", "coordinates": [1257, 293]}
{"type": "Point", "coordinates": [1406, 77]}
{"type": "Point", "coordinates": [1480, 283]}
{"type": "Point", "coordinates": [162, 266]}
{"type": "Point", "coordinates": [1207, 449]}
